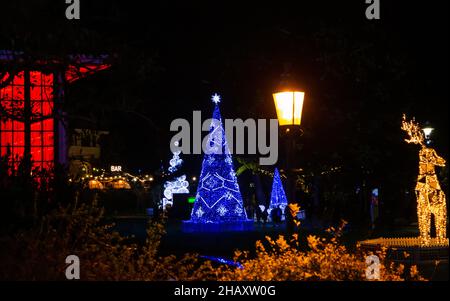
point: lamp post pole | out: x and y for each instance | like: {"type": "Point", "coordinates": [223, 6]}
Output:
{"type": "Point", "coordinates": [288, 134]}
{"type": "Point", "coordinates": [291, 178]}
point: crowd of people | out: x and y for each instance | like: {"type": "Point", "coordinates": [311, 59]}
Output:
{"type": "Point", "coordinates": [264, 215]}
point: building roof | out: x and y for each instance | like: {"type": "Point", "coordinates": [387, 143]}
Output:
{"type": "Point", "coordinates": [75, 66]}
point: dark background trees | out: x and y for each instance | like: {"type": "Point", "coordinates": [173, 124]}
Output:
{"type": "Point", "coordinates": [360, 75]}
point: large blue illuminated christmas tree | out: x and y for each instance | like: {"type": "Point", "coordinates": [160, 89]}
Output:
{"type": "Point", "coordinates": [218, 203]}
{"type": "Point", "coordinates": [278, 197]}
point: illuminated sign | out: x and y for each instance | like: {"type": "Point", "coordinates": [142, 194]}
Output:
{"type": "Point", "coordinates": [116, 168]}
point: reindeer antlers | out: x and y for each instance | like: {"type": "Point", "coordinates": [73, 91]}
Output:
{"type": "Point", "coordinates": [413, 130]}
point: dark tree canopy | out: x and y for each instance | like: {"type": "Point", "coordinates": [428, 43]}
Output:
{"type": "Point", "coordinates": [359, 75]}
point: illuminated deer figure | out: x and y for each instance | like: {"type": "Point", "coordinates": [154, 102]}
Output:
{"type": "Point", "coordinates": [430, 197]}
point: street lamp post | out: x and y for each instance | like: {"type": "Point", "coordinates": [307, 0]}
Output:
{"type": "Point", "coordinates": [289, 105]}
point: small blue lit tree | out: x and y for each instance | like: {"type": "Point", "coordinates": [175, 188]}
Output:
{"type": "Point", "coordinates": [278, 197]}
{"type": "Point", "coordinates": [218, 203]}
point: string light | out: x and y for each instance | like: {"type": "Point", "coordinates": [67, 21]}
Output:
{"type": "Point", "coordinates": [430, 197]}
{"type": "Point", "coordinates": [401, 242]}
{"type": "Point", "coordinates": [95, 180]}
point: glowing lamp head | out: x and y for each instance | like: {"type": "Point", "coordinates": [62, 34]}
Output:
{"type": "Point", "coordinates": [427, 131]}
{"type": "Point", "coordinates": [289, 106]}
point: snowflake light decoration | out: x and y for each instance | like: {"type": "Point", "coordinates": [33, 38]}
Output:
{"type": "Point", "coordinates": [238, 210]}
{"type": "Point", "coordinates": [210, 160]}
{"type": "Point", "coordinates": [222, 210]}
{"type": "Point", "coordinates": [199, 212]}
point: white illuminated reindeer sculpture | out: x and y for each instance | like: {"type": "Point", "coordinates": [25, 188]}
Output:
{"type": "Point", "coordinates": [430, 197]}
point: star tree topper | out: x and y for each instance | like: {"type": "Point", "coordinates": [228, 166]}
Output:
{"type": "Point", "coordinates": [215, 98]}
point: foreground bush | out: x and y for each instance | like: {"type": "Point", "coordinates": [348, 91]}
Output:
{"type": "Point", "coordinates": [322, 259]}
{"type": "Point", "coordinates": [39, 253]}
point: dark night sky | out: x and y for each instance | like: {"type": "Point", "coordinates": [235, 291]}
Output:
{"type": "Point", "coordinates": [359, 75]}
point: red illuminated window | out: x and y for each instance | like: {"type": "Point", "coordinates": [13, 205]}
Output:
{"type": "Point", "coordinates": [12, 129]}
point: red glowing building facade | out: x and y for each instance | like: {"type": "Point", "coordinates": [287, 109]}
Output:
{"type": "Point", "coordinates": [31, 96]}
